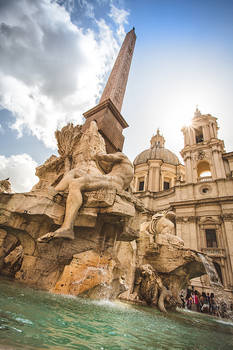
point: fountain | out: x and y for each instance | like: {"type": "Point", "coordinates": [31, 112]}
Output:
{"type": "Point", "coordinates": [32, 319]}
{"type": "Point", "coordinates": [92, 253]}
{"type": "Point", "coordinates": [81, 233]}
{"type": "Point", "coordinates": [221, 297]}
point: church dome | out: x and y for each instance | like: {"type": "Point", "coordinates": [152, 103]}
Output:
{"type": "Point", "coordinates": [157, 151]}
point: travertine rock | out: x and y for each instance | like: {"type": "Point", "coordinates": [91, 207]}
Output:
{"type": "Point", "coordinates": [163, 266]}
{"type": "Point", "coordinates": [13, 261]}
{"type": "Point", "coordinates": [26, 216]}
{"type": "Point", "coordinates": [105, 253]}
{"type": "Point", "coordinates": [5, 186]}
{"type": "Point", "coordinates": [87, 271]}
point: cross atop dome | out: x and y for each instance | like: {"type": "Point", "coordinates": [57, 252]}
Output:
{"type": "Point", "coordinates": [157, 140]}
{"type": "Point", "coordinates": [197, 112]}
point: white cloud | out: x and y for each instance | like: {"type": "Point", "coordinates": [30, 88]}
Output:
{"type": "Point", "coordinates": [2, 131]}
{"type": "Point", "coordinates": [89, 8]}
{"type": "Point", "coordinates": [51, 71]}
{"type": "Point", "coordinates": [119, 16]}
{"type": "Point", "coordinates": [21, 171]}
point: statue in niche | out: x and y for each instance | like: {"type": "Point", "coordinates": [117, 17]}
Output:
{"type": "Point", "coordinates": [88, 176]}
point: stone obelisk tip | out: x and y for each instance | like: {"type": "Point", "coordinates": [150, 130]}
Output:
{"type": "Point", "coordinates": [107, 113]}
{"type": "Point", "coordinates": [117, 81]}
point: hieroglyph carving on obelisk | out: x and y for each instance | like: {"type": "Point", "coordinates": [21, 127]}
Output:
{"type": "Point", "coordinates": [116, 85]}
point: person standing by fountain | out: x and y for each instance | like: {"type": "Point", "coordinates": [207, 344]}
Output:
{"type": "Point", "coordinates": [212, 308]}
{"type": "Point", "coordinates": [189, 300]}
{"type": "Point", "coordinates": [203, 301]}
{"type": "Point", "coordinates": [208, 300]}
{"type": "Point", "coordinates": [196, 301]}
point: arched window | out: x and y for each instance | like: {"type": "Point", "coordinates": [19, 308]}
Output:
{"type": "Point", "coordinates": [203, 169]}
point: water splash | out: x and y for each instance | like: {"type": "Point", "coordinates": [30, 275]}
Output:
{"type": "Point", "coordinates": [222, 298]}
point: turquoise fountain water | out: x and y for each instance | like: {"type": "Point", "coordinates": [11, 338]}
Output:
{"type": "Point", "coordinates": [31, 319]}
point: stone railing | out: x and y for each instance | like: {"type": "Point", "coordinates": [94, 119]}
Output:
{"type": "Point", "coordinates": [205, 179]}
{"type": "Point", "coordinates": [215, 252]}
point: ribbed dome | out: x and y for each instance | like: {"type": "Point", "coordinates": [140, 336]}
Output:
{"type": "Point", "coordinates": [159, 153]}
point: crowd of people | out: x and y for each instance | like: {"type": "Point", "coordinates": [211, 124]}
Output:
{"type": "Point", "coordinates": [200, 302]}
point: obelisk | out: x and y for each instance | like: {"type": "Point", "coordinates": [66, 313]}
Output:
{"type": "Point", "coordinates": [107, 113]}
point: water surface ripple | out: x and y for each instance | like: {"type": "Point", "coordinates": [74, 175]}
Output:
{"type": "Point", "coordinates": [31, 319]}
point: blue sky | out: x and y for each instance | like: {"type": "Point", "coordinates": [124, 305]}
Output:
{"type": "Point", "coordinates": [56, 56]}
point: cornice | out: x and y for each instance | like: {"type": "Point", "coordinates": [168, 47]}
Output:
{"type": "Point", "coordinates": [107, 104]}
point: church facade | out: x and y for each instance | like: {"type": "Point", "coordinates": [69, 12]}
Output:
{"type": "Point", "coordinates": [200, 192]}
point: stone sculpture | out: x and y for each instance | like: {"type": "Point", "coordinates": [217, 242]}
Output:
{"type": "Point", "coordinates": [160, 223]}
{"type": "Point", "coordinates": [163, 266]}
{"type": "Point", "coordinates": [163, 229]}
{"type": "Point", "coordinates": [76, 150]}
{"type": "Point", "coordinates": [77, 181]}
{"type": "Point", "coordinates": [105, 215]}
{"type": "Point", "coordinates": [5, 186]}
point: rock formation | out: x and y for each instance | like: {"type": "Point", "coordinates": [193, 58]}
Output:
{"type": "Point", "coordinates": [162, 265]}
{"type": "Point", "coordinates": [104, 218]}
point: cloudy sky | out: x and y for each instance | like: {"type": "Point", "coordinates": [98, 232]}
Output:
{"type": "Point", "coordinates": [55, 57]}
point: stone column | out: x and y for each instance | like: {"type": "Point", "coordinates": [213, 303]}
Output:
{"type": "Point", "coordinates": [223, 171]}
{"type": "Point", "coordinates": [211, 131]}
{"type": "Point", "coordinates": [179, 227]}
{"type": "Point", "coordinates": [193, 233]}
{"type": "Point", "coordinates": [186, 136]}
{"type": "Point", "coordinates": [151, 177]}
{"type": "Point", "coordinates": [217, 164]}
{"type": "Point", "coordinates": [215, 131]}
{"type": "Point", "coordinates": [145, 182]}
{"type": "Point", "coordinates": [188, 168]}
{"type": "Point", "coordinates": [192, 136]}
{"type": "Point", "coordinates": [205, 132]}
{"type": "Point", "coordinates": [136, 184]}
{"type": "Point", "coordinates": [157, 178]}
{"type": "Point", "coordinates": [202, 237]}
{"type": "Point", "coordinates": [228, 225]}
{"type": "Point", "coordinates": [154, 175]}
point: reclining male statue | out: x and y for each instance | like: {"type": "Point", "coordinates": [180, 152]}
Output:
{"type": "Point", "coordinates": [119, 177]}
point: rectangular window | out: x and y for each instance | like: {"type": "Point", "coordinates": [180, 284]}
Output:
{"type": "Point", "coordinates": [199, 135]}
{"type": "Point", "coordinates": [211, 239]}
{"type": "Point", "coordinates": [199, 138]}
{"type": "Point", "coordinates": [141, 185]}
{"type": "Point", "coordinates": [166, 185]}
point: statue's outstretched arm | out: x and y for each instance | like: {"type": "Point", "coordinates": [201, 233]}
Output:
{"type": "Point", "coordinates": [113, 157]}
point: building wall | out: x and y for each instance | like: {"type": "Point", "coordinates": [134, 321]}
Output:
{"type": "Point", "coordinates": [201, 203]}
{"type": "Point", "coordinates": [197, 211]}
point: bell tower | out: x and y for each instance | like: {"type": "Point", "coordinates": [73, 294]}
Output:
{"type": "Point", "coordinates": [202, 152]}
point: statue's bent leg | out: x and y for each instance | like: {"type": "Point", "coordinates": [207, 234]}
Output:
{"type": "Point", "coordinates": [75, 200]}
{"type": "Point", "coordinates": [64, 183]}
{"type": "Point", "coordinates": [73, 203]}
